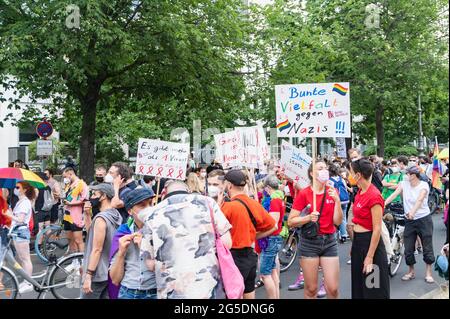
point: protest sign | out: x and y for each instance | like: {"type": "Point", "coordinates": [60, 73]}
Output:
{"type": "Point", "coordinates": [313, 110]}
{"type": "Point", "coordinates": [341, 147]}
{"type": "Point", "coordinates": [228, 146]}
{"type": "Point", "coordinates": [295, 164]}
{"type": "Point", "coordinates": [162, 159]}
{"type": "Point", "coordinates": [253, 149]}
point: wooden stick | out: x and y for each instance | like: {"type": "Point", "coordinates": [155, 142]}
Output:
{"type": "Point", "coordinates": [157, 190]}
{"type": "Point", "coordinates": [314, 151]}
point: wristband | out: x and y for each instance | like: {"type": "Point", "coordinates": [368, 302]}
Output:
{"type": "Point", "coordinates": [90, 272]}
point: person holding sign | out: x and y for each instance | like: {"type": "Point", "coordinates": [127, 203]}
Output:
{"type": "Point", "coordinates": [318, 247]}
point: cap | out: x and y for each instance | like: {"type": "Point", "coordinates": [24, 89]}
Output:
{"type": "Point", "coordinates": [236, 177]}
{"type": "Point", "coordinates": [413, 170]}
{"type": "Point", "coordinates": [136, 196]}
{"type": "Point", "coordinates": [105, 188]}
{"type": "Point", "coordinates": [272, 181]}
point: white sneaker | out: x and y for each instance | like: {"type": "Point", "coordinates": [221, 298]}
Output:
{"type": "Point", "coordinates": [349, 262]}
{"type": "Point", "coordinates": [74, 265]}
{"type": "Point", "coordinates": [25, 287]}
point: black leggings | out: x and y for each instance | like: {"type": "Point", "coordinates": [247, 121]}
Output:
{"type": "Point", "coordinates": [375, 285]}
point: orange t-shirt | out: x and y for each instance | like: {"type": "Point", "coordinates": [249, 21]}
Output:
{"type": "Point", "coordinates": [243, 233]}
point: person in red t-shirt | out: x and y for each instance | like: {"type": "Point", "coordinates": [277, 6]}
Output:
{"type": "Point", "coordinates": [322, 250]}
{"type": "Point", "coordinates": [368, 249]}
{"type": "Point", "coordinates": [269, 265]}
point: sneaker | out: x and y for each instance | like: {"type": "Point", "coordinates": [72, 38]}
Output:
{"type": "Point", "coordinates": [416, 252]}
{"type": "Point", "coordinates": [74, 265]}
{"type": "Point", "coordinates": [259, 283]}
{"type": "Point", "coordinates": [299, 283]}
{"type": "Point", "coordinates": [25, 287]}
{"type": "Point", "coordinates": [322, 292]}
{"type": "Point", "coordinates": [349, 262]}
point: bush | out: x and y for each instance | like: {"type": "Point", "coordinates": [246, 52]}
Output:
{"type": "Point", "coordinates": [392, 151]}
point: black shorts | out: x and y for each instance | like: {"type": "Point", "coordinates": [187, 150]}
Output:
{"type": "Point", "coordinates": [247, 261]}
{"type": "Point", "coordinates": [42, 216]}
{"type": "Point", "coordinates": [322, 246]}
{"type": "Point", "coordinates": [71, 227]}
{"type": "Point", "coordinates": [54, 213]}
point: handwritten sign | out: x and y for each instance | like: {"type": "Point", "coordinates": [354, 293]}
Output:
{"type": "Point", "coordinates": [313, 110]}
{"type": "Point", "coordinates": [253, 149]}
{"type": "Point", "coordinates": [295, 164]}
{"type": "Point", "coordinates": [162, 159]}
{"type": "Point", "coordinates": [228, 147]}
{"type": "Point", "coordinates": [341, 147]}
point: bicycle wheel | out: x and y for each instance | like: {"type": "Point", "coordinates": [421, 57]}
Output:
{"type": "Point", "coordinates": [55, 243]}
{"type": "Point", "coordinates": [433, 202]}
{"type": "Point", "coordinates": [396, 260]}
{"type": "Point", "coordinates": [65, 278]}
{"type": "Point", "coordinates": [40, 238]}
{"type": "Point", "coordinates": [9, 287]}
{"type": "Point", "coordinates": [288, 252]}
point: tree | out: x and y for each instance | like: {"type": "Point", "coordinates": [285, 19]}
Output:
{"type": "Point", "coordinates": [185, 54]}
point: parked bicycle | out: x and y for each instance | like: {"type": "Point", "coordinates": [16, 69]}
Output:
{"type": "Point", "coordinates": [288, 252]}
{"type": "Point", "coordinates": [394, 219]}
{"type": "Point", "coordinates": [61, 277]}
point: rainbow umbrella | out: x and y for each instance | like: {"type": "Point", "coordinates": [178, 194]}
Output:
{"type": "Point", "coordinates": [443, 154]}
{"type": "Point", "coordinates": [11, 175]}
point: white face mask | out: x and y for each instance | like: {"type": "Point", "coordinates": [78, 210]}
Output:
{"type": "Point", "coordinates": [213, 191]}
{"type": "Point", "coordinates": [323, 176]}
{"type": "Point", "coordinates": [109, 179]}
{"type": "Point", "coordinates": [66, 180]}
{"type": "Point", "coordinates": [16, 192]}
{"type": "Point", "coordinates": [203, 174]}
{"type": "Point", "coordinates": [395, 169]}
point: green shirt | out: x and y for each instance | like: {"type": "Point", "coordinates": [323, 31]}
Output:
{"type": "Point", "coordinates": [395, 179]}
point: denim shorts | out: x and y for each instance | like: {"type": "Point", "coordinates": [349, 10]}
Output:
{"type": "Point", "coordinates": [125, 293]}
{"type": "Point", "coordinates": [21, 234]}
{"type": "Point", "coordinates": [321, 246]}
{"type": "Point", "coordinates": [269, 255]}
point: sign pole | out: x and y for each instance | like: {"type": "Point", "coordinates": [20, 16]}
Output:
{"type": "Point", "coordinates": [314, 151]}
{"type": "Point", "coordinates": [157, 191]}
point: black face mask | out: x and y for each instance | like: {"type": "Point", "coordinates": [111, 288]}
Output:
{"type": "Point", "coordinates": [99, 179]}
{"type": "Point", "coordinates": [95, 204]}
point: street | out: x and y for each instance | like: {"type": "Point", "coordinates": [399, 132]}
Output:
{"type": "Point", "coordinates": [399, 289]}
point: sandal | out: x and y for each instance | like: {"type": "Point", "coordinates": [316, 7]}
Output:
{"type": "Point", "coordinates": [429, 280]}
{"type": "Point", "coordinates": [408, 277]}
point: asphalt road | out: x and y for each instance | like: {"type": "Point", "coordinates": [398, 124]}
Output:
{"type": "Point", "coordinates": [399, 289]}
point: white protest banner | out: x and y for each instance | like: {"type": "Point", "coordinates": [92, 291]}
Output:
{"type": "Point", "coordinates": [341, 148]}
{"type": "Point", "coordinates": [295, 164]}
{"type": "Point", "coordinates": [162, 159]}
{"type": "Point", "coordinates": [44, 147]}
{"type": "Point", "coordinates": [228, 146]}
{"type": "Point", "coordinates": [253, 150]}
{"type": "Point", "coordinates": [313, 110]}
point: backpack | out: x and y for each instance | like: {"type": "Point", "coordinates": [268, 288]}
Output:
{"type": "Point", "coordinates": [342, 189]}
{"type": "Point", "coordinates": [49, 201]}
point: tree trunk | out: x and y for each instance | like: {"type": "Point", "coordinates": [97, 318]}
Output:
{"type": "Point", "coordinates": [380, 130]}
{"type": "Point", "coordinates": [87, 141]}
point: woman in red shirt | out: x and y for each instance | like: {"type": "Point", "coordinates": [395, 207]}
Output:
{"type": "Point", "coordinates": [321, 250]}
{"type": "Point", "coordinates": [368, 254]}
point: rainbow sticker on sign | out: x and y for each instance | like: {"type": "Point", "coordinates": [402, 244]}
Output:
{"type": "Point", "coordinates": [283, 125]}
{"type": "Point", "coordinates": [340, 89]}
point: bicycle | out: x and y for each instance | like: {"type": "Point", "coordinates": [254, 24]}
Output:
{"type": "Point", "coordinates": [435, 200]}
{"type": "Point", "coordinates": [288, 252]}
{"type": "Point", "coordinates": [61, 277]}
{"type": "Point", "coordinates": [396, 229]}
{"type": "Point", "coordinates": [53, 239]}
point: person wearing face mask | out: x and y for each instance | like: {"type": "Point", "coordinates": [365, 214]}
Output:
{"type": "Point", "coordinates": [201, 174]}
{"type": "Point", "coordinates": [100, 173]}
{"type": "Point", "coordinates": [216, 186]}
{"type": "Point", "coordinates": [98, 243]}
{"type": "Point", "coordinates": [57, 194]}
{"type": "Point", "coordinates": [128, 270]}
{"type": "Point", "coordinates": [321, 250]}
{"type": "Point", "coordinates": [391, 181]}
{"type": "Point", "coordinates": [418, 224]}
{"type": "Point", "coordinates": [368, 247]}
{"type": "Point", "coordinates": [22, 214]}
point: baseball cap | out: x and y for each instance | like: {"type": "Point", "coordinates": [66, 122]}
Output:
{"type": "Point", "coordinates": [136, 196]}
{"type": "Point", "coordinates": [236, 177]}
{"type": "Point", "coordinates": [413, 170]}
{"type": "Point", "coordinates": [105, 188]}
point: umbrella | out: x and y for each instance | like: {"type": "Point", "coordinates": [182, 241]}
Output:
{"type": "Point", "coordinates": [10, 176]}
{"type": "Point", "coordinates": [443, 154]}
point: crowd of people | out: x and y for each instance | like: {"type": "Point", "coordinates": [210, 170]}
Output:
{"type": "Point", "coordinates": [149, 238]}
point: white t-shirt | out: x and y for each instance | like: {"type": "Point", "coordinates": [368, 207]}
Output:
{"type": "Point", "coordinates": [410, 196]}
{"type": "Point", "coordinates": [22, 206]}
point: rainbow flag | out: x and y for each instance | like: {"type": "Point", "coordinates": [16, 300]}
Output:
{"type": "Point", "coordinates": [437, 169]}
{"type": "Point", "coordinates": [283, 125]}
{"type": "Point", "coordinates": [340, 89]}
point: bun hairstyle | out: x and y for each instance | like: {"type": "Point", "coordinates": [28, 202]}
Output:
{"type": "Point", "coordinates": [363, 166]}
{"type": "Point", "coordinates": [28, 189]}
